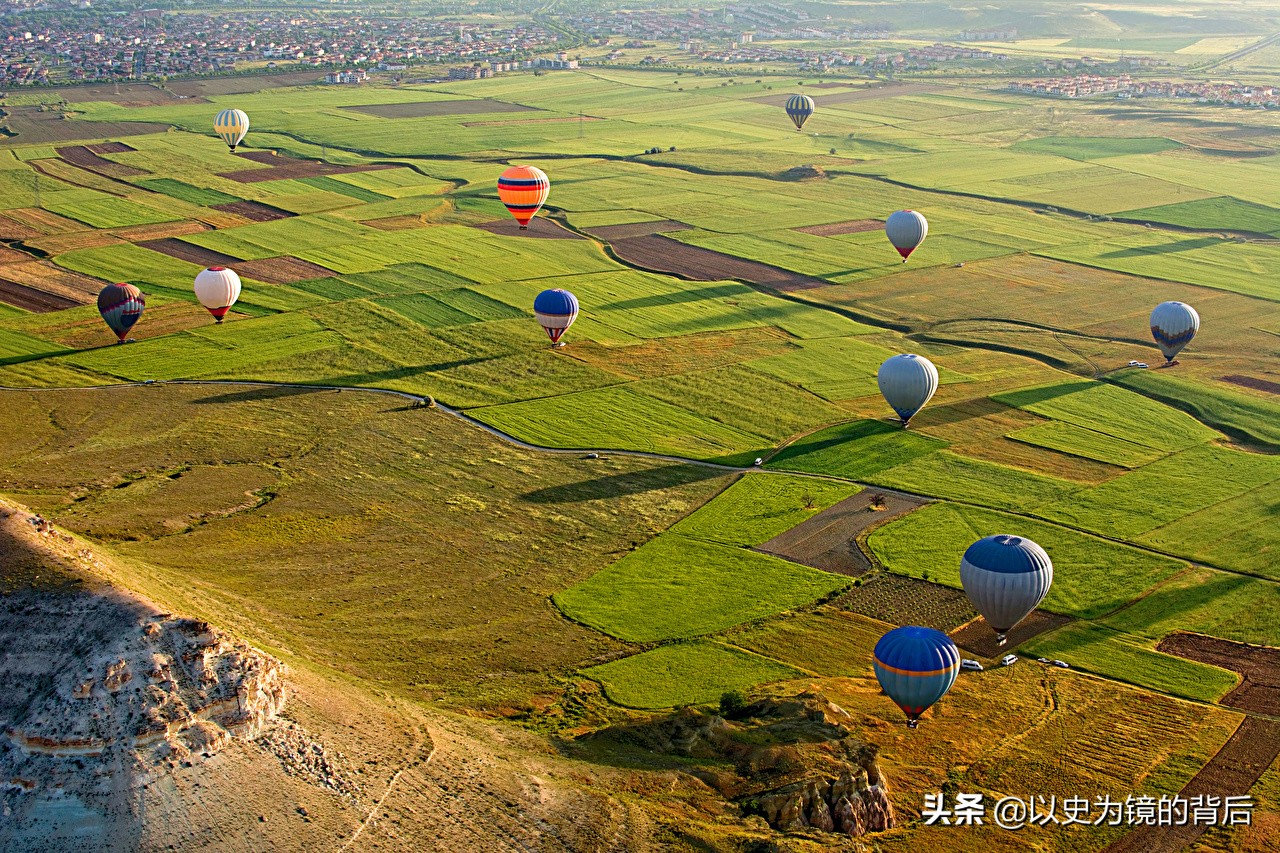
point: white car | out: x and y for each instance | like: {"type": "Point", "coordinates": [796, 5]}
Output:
{"type": "Point", "coordinates": [971, 664]}
{"type": "Point", "coordinates": [1043, 660]}
{"type": "Point", "coordinates": [1142, 365]}
{"type": "Point", "coordinates": [1134, 363]}
{"type": "Point", "coordinates": [1062, 664]}
{"type": "Point", "coordinates": [1008, 660]}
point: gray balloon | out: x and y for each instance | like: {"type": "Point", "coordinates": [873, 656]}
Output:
{"type": "Point", "coordinates": [1005, 577]}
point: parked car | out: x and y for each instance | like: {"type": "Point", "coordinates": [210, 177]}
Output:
{"type": "Point", "coordinates": [1043, 660]}
{"type": "Point", "coordinates": [971, 664]}
{"type": "Point", "coordinates": [1142, 365]}
{"type": "Point", "coordinates": [1062, 664]}
{"type": "Point", "coordinates": [1134, 363]}
{"type": "Point", "coordinates": [1008, 660]}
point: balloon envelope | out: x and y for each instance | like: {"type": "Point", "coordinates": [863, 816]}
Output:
{"type": "Point", "coordinates": [231, 125]}
{"type": "Point", "coordinates": [120, 306]}
{"type": "Point", "coordinates": [1005, 577]}
{"type": "Point", "coordinates": [1173, 325]}
{"type": "Point", "coordinates": [523, 189]}
{"type": "Point", "coordinates": [556, 310]}
{"type": "Point", "coordinates": [799, 108]}
{"type": "Point", "coordinates": [916, 667]}
{"type": "Point", "coordinates": [217, 288]}
{"type": "Point", "coordinates": [907, 382]}
{"type": "Point", "coordinates": [906, 230]}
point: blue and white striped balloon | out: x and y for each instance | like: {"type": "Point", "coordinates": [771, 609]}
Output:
{"type": "Point", "coordinates": [1173, 325]}
{"type": "Point", "coordinates": [555, 310]}
{"type": "Point", "coordinates": [799, 108]}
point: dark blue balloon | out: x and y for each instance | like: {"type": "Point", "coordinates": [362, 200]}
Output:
{"type": "Point", "coordinates": [916, 667]}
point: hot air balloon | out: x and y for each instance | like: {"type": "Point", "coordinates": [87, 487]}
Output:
{"type": "Point", "coordinates": [1173, 325]}
{"type": "Point", "coordinates": [799, 108]}
{"type": "Point", "coordinates": [556, 310]}
{"type": "Point", "coordinates": [231, 125]}
{"type": "Point", "coordinates": [121, 306]}
{"type": "Point", "coordinates": [1005, 577]}
{"type": "Point", "coordinates": [907, 382]}
{"type": "Point", "coordinates": [916, 666]}
{"type": "Point", "coordinates": [906, 230]}
{"type": "Point", "coordinates": [217, 288]}
{"type": "Point", "coordinates": [523, 189]}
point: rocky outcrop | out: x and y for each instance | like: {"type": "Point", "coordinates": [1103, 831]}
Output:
{"type": "Point", "coordinates": [848, 804]}
{"type": "Point", "coordinates": [795, 762]}
{"type": "Point", "coordinates": [804, 173]}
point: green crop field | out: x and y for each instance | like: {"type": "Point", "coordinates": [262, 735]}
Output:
{"type": "Point", "coordinates": [1092, 576]}
{"type": "Point", "coordinates": [677, 587]}
{"type": "Point", "coordinates": [759, 507]}
{"type": "Point", "coordinates": [1096, 649]}
{"type": "Point", "coordinates": [421, 556]}
{"type": "Point", "coordinates": [684, 674]}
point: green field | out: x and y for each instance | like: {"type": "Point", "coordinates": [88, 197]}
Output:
{"type": "Point", "coordinates": [684, 674]}
{"type": "Point", "coordinates": [677, 587]}
{"type": "Point", "coordinates": [759, 507]}
{"type": "Point", "coordinates": [1095, 148]}
{"type": "Point", "coordinates": [1100, 650]}
{"type": "Point", "coordinates": [1092, 576]}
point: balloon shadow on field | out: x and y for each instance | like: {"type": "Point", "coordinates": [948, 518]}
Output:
{"type": "Point", "coordinates": [1164, 248]}
{"type": "Point", "coordinates": [620, 485]}
{"type": "Point", "coordinates": [260, 393]}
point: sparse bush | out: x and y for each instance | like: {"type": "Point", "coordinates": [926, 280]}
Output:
{"type": "Point", "coordinates": [732, 704]}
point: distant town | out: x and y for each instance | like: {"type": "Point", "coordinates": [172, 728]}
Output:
{"type": "Point", "coordinates": [1123, 87]}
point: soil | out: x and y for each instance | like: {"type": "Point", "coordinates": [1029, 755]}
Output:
{"type": "Point", "coordinates": [290, 167]}
{"type": "Point", "coordinates": [160, 230]}
{"type": "Point", "coordinates": [185, 251]}
{"type": "Point", "coordinates": [978, 638]}
{"type": "Point", "coordinates": [1258, 666]}
{"type": "Point", "coordinates": [422, 109]}
{"type": "Point", "coordinates": [853, 226]}
{"type": "Point", "coordinates": [662, 254]}
{"type": "Point", "coordinates": [539, 226]}
{"type": "Point", "coordinates": [13, 230]}
{"type": "Point", "coordinates": [55, 281]}
{"type": "Point", "coordinates": [56, 244]}
{"type": "Point", "coordinates": [111, 148]}
{"type": "Point", "coordinates": [29, 126]}
{"type": "Point", "coordinates": [82, 156]}
{"type": "Point", "coordinates": [12, 256]}
{"type": "Point", "coordinates": [282, 270]}
{"type": "Point", "coordinates": [35, 301]}
{"type": "Point", "coordinates": [254, 211]}
{"type": "Point", "coordinates": [1232, 772]}
{"type": "Point", "coordinates": [829, 540]}
{"type": "Point", "coordinates": [1254, 383]}
{"type": "Point", "coordinates": [907, 601]}
{"type": "Point", "coordinates": [43, 222]}
{"type": "Point", "coordinates": [609, 233]}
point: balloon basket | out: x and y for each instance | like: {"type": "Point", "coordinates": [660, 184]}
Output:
{"type": "Point", "coordinates": [911, 724]}
{"type": "Point", "coordinates": [1001, 639]}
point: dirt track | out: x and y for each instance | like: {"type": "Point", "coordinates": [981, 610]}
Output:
{"type": "Point", "coordinates": [1258, 666]}
{"type": "Point", "coordinates": [829, 540]}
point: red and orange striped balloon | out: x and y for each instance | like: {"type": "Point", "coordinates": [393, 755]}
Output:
{"type": "Point", "coordinates": [523, 189]}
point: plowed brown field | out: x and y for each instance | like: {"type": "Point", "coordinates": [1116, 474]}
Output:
{"type": "Point", "coordinates": [190, 252]}
{"type": "Point", "coordinates": [829, 540]}
{"type": "Point", "coordinates": [85, 158]}
{"type": "Point", "coordinates": [254, 211]}
{"type": "Point", "coordinates": [662, 254]}
{"type": "Point", "coordinates": [1258, 666]}
{"type": "Point", "coordinates": [289, 167]}
{"type": "Point", "coordinates": [282, 270]}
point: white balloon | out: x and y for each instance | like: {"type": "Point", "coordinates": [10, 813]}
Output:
{"type": "Point", "coordinates": [907, 383]}
{"type": "Point", "coordinates": [906, 230]}
{"type": "Point", "coordinates": [217, 288]}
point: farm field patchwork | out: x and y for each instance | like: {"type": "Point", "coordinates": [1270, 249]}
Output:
{"type": "Point", "coordinates": [685, 674]}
